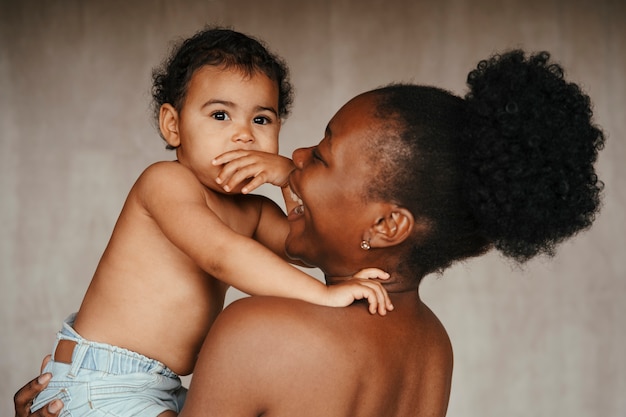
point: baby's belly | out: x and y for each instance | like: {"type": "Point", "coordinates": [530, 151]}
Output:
{"type": "Point", "coordinates": [170, 329]}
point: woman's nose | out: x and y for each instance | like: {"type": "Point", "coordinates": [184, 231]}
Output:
{"type": "Point", "coordinates": [300, 156]}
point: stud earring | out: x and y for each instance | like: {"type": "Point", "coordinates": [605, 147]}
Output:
{"type": "Point", "coordinates": [365, 245]}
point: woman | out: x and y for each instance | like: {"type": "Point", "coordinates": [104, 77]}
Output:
{"type": "Point", "coordinates": [409, 179]}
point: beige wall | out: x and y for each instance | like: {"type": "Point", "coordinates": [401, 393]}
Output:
{"type": "Point", "coordinates": [75, 133]}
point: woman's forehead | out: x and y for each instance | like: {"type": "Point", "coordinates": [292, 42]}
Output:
{"type": "Point", "coordinates": [358, 117]}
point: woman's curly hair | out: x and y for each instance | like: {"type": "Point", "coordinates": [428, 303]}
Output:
{"type": "Point", "coordinates": [531, 178]}
{"type": "Point", "coordinates": [221, 47]}
{"type": "Point", "coordinates": [510, 166]}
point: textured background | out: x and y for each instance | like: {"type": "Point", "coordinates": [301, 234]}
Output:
{"type": "Point", "coordinates": [75, 132]}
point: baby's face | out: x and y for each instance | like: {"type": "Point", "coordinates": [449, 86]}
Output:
{"type": "Point", "coordinates": [226, 110]}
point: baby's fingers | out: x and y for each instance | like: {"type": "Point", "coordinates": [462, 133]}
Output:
{"type": "Point", "coordinates": [233, 173]}
{"type": "Point", "coordinates": [372, 273]}
{"type": "Point", "coordinates": [255, 182]}
{"type": "Point", "coordinates": [229, 156]}
{"type": "Point", "coordinates": [377, 297]}
{"type": "Point", "coordinates": [231, 176]}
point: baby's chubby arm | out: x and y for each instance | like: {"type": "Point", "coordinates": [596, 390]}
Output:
{"type": "Point", "coordinates": [174, 198]}
{"type": "Point", "coordinates": [263, 167]}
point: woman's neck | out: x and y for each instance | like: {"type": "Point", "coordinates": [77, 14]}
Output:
{"type": "Point", "coordinates": [395, 284]}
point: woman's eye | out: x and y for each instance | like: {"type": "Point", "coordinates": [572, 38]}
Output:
{"type": "Point", "coordinates": [317, 156]}
{"type": "Point", "coordinates": [220, 115]}
{"type": "Point", "coordinates": [261, 120]}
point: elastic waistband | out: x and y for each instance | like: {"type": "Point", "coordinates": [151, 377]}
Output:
{"type": "Point", "coordinates": [107, 358]}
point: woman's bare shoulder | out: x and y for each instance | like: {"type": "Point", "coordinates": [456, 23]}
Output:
{"type": "Point", "coordinates": [261, 354]}
{"type": "Point", "coordinates": [285, 333]}
{"type": "Point", "coordinates": [281, 324]}
{"type": "Point", "coordinates": [272, 312]}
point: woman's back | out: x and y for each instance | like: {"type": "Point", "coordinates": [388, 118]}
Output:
{"type": "Point", "coordinates": [307, 360]}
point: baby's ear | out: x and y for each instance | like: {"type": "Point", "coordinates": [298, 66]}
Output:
{"type": "Point", "coordinates": [392, 228]}
{"type": "Point", "coordinates": [168, 124]}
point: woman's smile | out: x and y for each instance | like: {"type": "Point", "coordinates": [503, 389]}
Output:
{"type": "Point", "coordinates": [298, 210]}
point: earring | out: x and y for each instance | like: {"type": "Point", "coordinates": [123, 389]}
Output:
{"type": "Point", "coordinates": [365, 245]}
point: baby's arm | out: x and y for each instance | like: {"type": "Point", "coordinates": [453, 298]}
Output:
{"type": "Point", "coordinates": [174, 199]}
{"type": "Point", "coordinates": [262, 167]}
{"type": "Point", "coordinates": [273, 228]}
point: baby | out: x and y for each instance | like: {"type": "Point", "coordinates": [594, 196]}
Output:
{"type": "Point", "coordinates": [182, 238]}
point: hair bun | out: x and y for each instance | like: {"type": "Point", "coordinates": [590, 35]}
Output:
{"type": "Point", "coordinates": [531, 182]}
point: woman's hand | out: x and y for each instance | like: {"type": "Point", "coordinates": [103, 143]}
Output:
{"type": "Point", "coordinates": [259, 167]}
{"type": "Point", "coordinates": [23, 399]}
{"type": "Point", "coordinates": [359, 287]}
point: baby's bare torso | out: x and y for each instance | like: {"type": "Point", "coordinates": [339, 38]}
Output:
{"type": "Point", "coordinates": [147, 295]}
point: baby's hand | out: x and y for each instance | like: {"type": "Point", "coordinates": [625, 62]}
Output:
{"type": "Point", "coordinates": [371, 273]}
{"type": "Point", "coordinates": [360, 287]}
{"type": "Point", "coordinates": [259, 167]}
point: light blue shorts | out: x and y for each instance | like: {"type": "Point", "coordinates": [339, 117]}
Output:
{"type": "Point", "coordinates": [105, 380]}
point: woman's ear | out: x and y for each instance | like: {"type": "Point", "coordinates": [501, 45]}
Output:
{"type": "Point", "coordinates": [391, 229]}
{"type": "Point", "coordinates": [168, 124]}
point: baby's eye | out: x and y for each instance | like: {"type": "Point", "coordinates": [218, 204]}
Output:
{"type": "Point", "coordinates": [220, 115]}
{"type": "Point", "coordinates": [261, 120]}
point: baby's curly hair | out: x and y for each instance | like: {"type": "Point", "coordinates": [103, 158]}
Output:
{"type": "Point", "coordinates": [510, 166]}
{"type": "Point", "coordinates": [221, 47]}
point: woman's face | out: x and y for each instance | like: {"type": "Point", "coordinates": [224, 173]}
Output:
{"type": "Point", "coordinates": [326, 230]}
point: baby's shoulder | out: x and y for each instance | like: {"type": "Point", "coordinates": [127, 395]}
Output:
{"type": "Point", "coordinates": [166, 182]}
{"type": "Point", "coordinates": [166, 175]}
{"type": "Point", "coordinates": [165, 168]}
